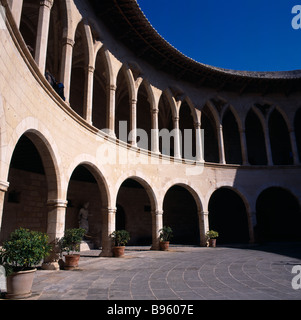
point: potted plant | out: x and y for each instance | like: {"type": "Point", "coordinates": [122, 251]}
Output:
{"type": "Point", "coordinates": [165, 237]}
{"type": "Point", "coordinates": [120, 239]}
{"type": "Point", "coordinates": [211, 237]}
{"type": "Point", "coordinates": [70, 243]}
{"type": "Point", "coordinates": [20, 255]}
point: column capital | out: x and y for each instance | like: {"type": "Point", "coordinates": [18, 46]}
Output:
{"type": "Point", "coordinates": [46, 3]}
{"type": "Point", "coordinates": [90, 69]}
{"type": "Point", "coordinates": [57, 203]}
{"type": "Point", "coordinates": [157, 212]}
{"type": "Point", "coordinates": [4, 186]}
{"type": "Point", "coordinates": [204, 213]}
{"type": "Point", "coordinates": [112, 87]}
{"type": "Point", "coordinates": [68, 41]}
{"type": "Point", "coordinates": [197, 125]}
{"type": "Point", "coordinates": [154, 111]}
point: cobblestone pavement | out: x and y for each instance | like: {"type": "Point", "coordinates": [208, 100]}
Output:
{"type": "Point", "coordinates": [182, 273]}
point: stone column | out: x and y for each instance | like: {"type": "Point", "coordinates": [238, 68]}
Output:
{"type": "Point", "coordinates": [42, 34]}
{"type": "Point", "coordinates": [268, 146]}
{"type": "Point", "coordinates": [133, 123]}
{"type": "Point", "coordinates": [221, 148]}
{"type": "Point", "coordinates": [109, 225]}
{"type": "Point", "coordinates": [157, 224]}
{"type": "Point", "coordinates": [177, 132]}
{"type": "Point", "coordinates": [88, 100]}
{"type": "Point", "coordinates": [155, 131]}
{"type": "Point", "coordinates": [199, 142]}
{"type": "Point", "coordinates": [66, 66]}
{"type": "Point", "coordinates": [203, 226]}
{"type": "Point", "coordinates": [55, 230]}
{"type": "Point", "coordinates": [294, 147]}
{"type": "Point", "coordinates": [16, 9]}
{"type": "Point", "coordinates": [111, 89]}
{"type": "Point", "coordinates": [243, 144]}
{"type": "Point", "coordinates": [3, 189]}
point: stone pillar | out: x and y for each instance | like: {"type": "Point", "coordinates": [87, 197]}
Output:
{"type": "Point", "coordinates": [109, 225]}
{"type": "Point", "coordinates": [294, 147]}
{"type": "Point", "coordinates": [203, 226]}
{"type": "Point", "coordinates": [42, 34]}
{"type": "Point", "coordinates": [3, 189]}
{"type": "Point", "coordinates": [55, 231]}
{"type": "Point", "coordinates": [157, 224]}
{"type": "Point", "coordinates": [88, 100]}
{"type": "Point", "coordinates": [133, 123]}
{"type": "Point", "coordinates": [155, 131]}
{"type": "Point", "coordinates": [16, 9]}
{"type": "Point", "coordinates": [221, 148]}
{"type": "Point", "coordinates": [268, 146]}
{"type": "Point", "coordinates": [243, 144]}
{"type": "Point", "coordinates": [199, 156]}
{"type": "Point", "coordinates": [251, 223]}
{"type": "Point", "coordinates": [66, 66]}
{"type": "Point", "coordinates": [177, 132]}
{"type": "Point", "coordinates": [111, 89]}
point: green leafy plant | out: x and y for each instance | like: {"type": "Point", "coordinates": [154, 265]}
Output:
{"type": "Point", "coordinates": [165, 234]}
{"type": "Point", "coordinates": [24, 250]}
{"type": "Point", "coordinates": [211, 234]}
{"type": "Point", "coordinates": [71, 240]}
{"type": "Point", "coordinates": [120, 237]}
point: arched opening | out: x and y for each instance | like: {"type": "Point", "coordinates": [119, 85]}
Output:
{"type": "Point", "coordinates": [297, 124]}
{"type": "Point", "coordinates": [144, 117]}
{"type": "Point", "coordinates": [78, 72]}
{"type": "Point", "coordinates": [99, 111]}
{"type": "Point", "coordinates": [29, 23]}
{"type": "Point", "coordinates": [231, 138]}
{"type": "Point", "coordinates": [228, 216]}
{"type": "Point", "coordinates": [122, 110]}
{"type": "Point", "coordinates": [186, 126]}
{"type": "Point", "coordinates": [180, 212]}
{"type": "Point", "coordinates": [279, 140]}
{"type": "Point", "coordinates": [84, 188]}
{"type": "Point", "coordinates": [165, 122]}
{"type": "Point", "coordinates": [55, 40]}
{"type": "Point", "coordinates": [255, 140]}
{"type": "Point", "coordinates": [278, 215]}
{"type": "Point", "coordinates": [134, 207]}
{"type": "Point", "coordinates": [208, 124]}
{"type": "Point", "coordinates": [31, 184]}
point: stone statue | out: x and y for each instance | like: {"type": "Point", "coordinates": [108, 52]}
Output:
{"type": "Point", "coordinates": [83, 217]}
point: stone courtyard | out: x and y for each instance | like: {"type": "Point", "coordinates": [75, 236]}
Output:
{"type": "Point", "coordinates": [183, 273]}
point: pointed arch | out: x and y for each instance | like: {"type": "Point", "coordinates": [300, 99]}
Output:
{"type": "Point", "coordinates": [279, 138]}
{"type": "Point", "coordinates": [255, 139]}
{"type": "Point", "coordinates": [231, 135]}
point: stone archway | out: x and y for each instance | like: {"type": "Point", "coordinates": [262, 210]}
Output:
{"type": "Point", "coordinates": [85, 186]}
{"type": "Point", "coordinates": [33, 183]}
{"type": "Point", "coordinates": [135, 206]}
{"type": "Point", "coordinates": [278, 215]}
{"type": "Point", "coordinates": [228, 216]}
{"type": "Point", "coordinates": [180, 212]}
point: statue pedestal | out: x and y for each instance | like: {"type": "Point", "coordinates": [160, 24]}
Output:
{"type": "Point", "coordinates": [86, 245]}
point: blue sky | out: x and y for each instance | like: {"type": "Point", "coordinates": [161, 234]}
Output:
{"type": "Point", "coordinates": [254, 35]}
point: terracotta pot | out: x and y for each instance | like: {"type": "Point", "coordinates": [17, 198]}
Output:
{"type": "Point", "coordinates": [164, 245]}
{"type": "Point", "coordinates": [212, 243]}
{"type": "Point", "coordinates": [118, 251]}
{"type": "Point", "coordinates": [71, 261]}
{"type": "Point", "coordinates": [19, 284]}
